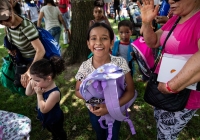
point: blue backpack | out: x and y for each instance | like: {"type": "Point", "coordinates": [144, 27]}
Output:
{"type": "Point", "coordinates": [51, 46]}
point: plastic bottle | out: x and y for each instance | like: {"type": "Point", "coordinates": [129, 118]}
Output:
{"type": "Point", "coordinates": [65, 38]}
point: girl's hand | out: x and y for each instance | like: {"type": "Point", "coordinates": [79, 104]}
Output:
{"type": "Point", "coordinates": [99, 110]}
{"type": "Point", "coordinates": [38, 90]}
{"type": "Point", "coordinates": [148, 11]}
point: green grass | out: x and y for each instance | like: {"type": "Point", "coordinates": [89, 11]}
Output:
{"type": "Point", "coordinates": [77, 123]}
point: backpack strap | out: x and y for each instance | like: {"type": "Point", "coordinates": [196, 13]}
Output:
{"type": "Point", "coordinates": [130, 49]}
{"type": "Point", "coordinates": [109, 121]}
{"type": "Point", "coordinates": [115, 48]}
{"type": "Point", "coordinates": [112, 94]}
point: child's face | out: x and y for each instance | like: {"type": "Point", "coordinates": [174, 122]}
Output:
{"type": "Point", "coordinates": [99, 41]}
{"type": "Point", "coordinates": [40, 82]}
{"type": "Point", "coordinates": [98, 13]}
{"type": "Point", "coordinates": [124, 34]}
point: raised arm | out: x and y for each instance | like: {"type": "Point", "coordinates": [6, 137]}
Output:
{"type": "Point", "coordinates": [148, 14]}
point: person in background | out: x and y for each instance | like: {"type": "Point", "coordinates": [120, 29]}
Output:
{"type": "Point", "coordinates": [107, 6]}
{"type": "Point", "coordinates": [40, 3]}
{"type": "Point", "coordinates": [24, 35]}
{"type": "Point", "coordinates": [23, 10]}
{"type": "Point", "coordinates": [43, 73]}
{"type": "Point", "coordinates": [53, 17]}
{"type": "Point", "coordinates": [64, 8]}
{"type": "Point", "coordinates": [112, 12]}
{"type": "Point", "coordinates": [16, 6]}
{"type": "Point", "coordinates": [100, 39]}
{"type": "Point", "coordinates": [123, 46]}
{"type": "Point", "coordinates": [98, 13]}
{"type": "Point", "coordinates": [117, 10]}
{"type": "Point", "coordinates": [32, 11]}
{"type": "Point", "coordinates": [163, 19]}
{"type": "Point", "coordinates": [164, 13]}
{"type": "Point", "coordinates": [184, 39]}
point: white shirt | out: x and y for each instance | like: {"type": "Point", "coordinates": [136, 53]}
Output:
{"type": "Point", "coordinates": [33, 12]}
{"type": "Point", "coordinates": [156, 2]}
{"type": "Point", "coordinates": [107, 1]}
{"type": "Point", "coordinates": [51, 14]}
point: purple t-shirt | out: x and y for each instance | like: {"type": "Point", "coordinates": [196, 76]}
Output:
{"type": "Point", "coordinates": [184, 40]}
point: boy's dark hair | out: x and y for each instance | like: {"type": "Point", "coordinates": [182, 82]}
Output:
{"type": "Point", "coordinates": [100, 24]}
{"type": "Point", "coordinates": [126, 23]}
{"type": "Point", "coordinates": [99, 3]}
{"type": "Point", "coordinates": [49, 1]}
{"type": "Point", "coordinates": [44, 67]}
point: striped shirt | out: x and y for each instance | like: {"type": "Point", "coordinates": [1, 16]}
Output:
{"type": "Point", "coordinates": [22, 36]}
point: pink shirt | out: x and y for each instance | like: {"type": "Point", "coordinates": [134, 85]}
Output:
{"type": "Point", "coordinates": [184, 40]}
{"type": "Point", "coordinates": [62, 10]}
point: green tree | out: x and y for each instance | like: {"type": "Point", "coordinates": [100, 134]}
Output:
{"type": "Point", "coordinates": [81, 15]}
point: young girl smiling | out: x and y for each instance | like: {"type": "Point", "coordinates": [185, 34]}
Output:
{"type": "Point", "coordinates": [100, 39]}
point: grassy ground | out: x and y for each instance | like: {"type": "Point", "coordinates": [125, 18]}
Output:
{"type": "Point", "coordinates": [77, 123]}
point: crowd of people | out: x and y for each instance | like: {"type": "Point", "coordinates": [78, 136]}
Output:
{"type": "Point", "coordinates": [145, 16]}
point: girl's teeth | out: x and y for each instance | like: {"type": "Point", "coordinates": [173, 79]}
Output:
{"type": "Point", "coordinates": [98, 48]}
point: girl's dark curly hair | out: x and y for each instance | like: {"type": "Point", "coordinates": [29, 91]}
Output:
{"type": "Point", "coordinates": [44, 67]}
{"type": "Point", "coordinates": [99, 3]}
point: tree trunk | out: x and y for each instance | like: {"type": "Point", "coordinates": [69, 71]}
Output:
{"type": "Point", "coordinates": [81, 15]}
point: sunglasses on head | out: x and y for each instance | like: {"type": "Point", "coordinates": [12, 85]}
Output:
{"type": "Point", "coordinates": [7, 20]}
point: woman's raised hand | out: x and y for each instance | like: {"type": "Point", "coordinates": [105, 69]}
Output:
{"type": "Point", "coordinates": [148, 10]}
